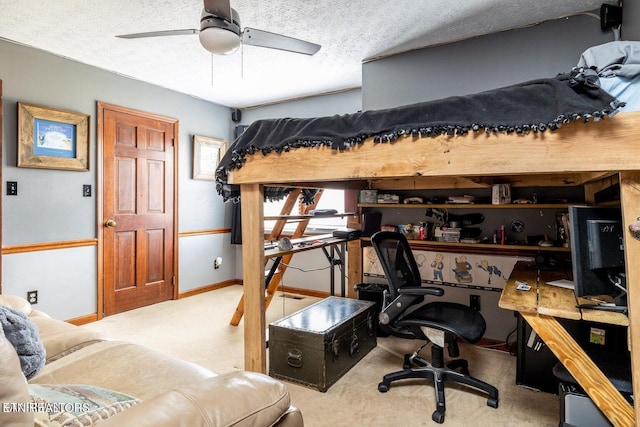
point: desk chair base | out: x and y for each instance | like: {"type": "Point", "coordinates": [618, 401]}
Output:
{"type": "Point", "coordinates": [439, 374]}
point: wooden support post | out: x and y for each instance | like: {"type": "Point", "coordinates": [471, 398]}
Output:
{"type": "Point", "coordinates": [630, 201]}
{"type": "Point", "coordinates": [354, 263]}
{"type": "Point", "coordinates": [255, 351]}
{"type": "Point", "coordinates": [588, 375]}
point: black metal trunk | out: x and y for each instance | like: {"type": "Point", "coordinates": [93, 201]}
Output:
{"type": "Point", "coordinates": [317, 345]}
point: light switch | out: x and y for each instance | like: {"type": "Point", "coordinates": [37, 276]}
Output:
{"type": "Point", "coordinates": [12, 188]}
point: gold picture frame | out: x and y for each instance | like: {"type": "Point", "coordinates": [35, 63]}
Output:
{"type": "Point", "coordinates": [207, 153]}
{"type": "Point", "coordinates": [49, 138]}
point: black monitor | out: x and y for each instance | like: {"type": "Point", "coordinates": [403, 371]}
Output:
{"type": "Point", "coordinates": [597, 255]}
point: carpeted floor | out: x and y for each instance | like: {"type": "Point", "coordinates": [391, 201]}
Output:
{"type": "Point", "coordinates": [197, 329]}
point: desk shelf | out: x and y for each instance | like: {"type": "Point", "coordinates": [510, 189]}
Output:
{"type": "Point", "coordinates": [478, 247]}
{"type": "Point", "coordinates": [467, 206]}
{"type": "Point", "coordinates": [308, 216]}
{"type": "Point", "coordinates": [482, 247]}
{"type": "Point", "coordinates": [550, 300]}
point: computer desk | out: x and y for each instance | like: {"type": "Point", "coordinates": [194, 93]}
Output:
{"type": "Point", "coordinates": [335, 255]}
{"type": "Point", "coordinates": [334, 249]}
{"type": "Point", "coordinates": [540, 306]}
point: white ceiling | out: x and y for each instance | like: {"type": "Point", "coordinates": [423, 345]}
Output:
{"type": "Point", "coordinates": [349, 32]}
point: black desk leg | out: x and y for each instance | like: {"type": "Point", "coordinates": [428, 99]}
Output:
{"type": "Point", "coordinates": [272, 271]}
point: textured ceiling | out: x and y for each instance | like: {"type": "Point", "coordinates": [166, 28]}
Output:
{"type": "Point", "coordinates": [350, 32]}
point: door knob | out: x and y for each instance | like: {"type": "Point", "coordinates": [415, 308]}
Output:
{"type": "Point", "coordinates": [110, 223]}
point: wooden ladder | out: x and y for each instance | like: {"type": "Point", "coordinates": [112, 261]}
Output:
{"type": "Point", "coordinates": [276, 278]}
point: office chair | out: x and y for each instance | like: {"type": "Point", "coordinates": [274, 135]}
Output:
{"type": "Point", "coordinates": [441, 323]}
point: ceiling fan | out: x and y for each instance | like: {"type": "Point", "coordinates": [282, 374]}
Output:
{"type": "Point", "coordinates": [220, 33]}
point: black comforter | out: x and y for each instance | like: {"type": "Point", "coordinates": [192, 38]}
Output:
{"type": "Point", "coordinates": [534, 106]}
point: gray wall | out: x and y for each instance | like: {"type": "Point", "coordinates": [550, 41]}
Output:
{"type": "Point", "coordinates": [345, 102]}
{"type": "Point", "coordinates": [480, 63]}
{"type": "Point", "coordinates": [49, 206]}
{"type": "Point", "coordinates": [631, 20]}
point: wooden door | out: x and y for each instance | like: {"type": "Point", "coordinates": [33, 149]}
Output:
{"type": "Point", "coordinates": [1, 120]}
{"type": "Point", "coordinates": [138, 212]}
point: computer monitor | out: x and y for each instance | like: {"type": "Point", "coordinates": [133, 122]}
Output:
{"type": "Point", "coordinates": [597, 255]}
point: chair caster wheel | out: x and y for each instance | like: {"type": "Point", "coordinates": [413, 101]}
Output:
{"type": "Point", "coordinates": [493, 402]}
{"type": "Point", "coordinates": [383, 388]}
{"type": "Point", "coordinates": [438, 417]}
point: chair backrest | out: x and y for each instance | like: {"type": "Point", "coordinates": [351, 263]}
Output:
{"type": "Point", "coordinates": [397, 260]}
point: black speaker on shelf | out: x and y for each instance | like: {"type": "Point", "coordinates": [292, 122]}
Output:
{"type": "Point", "coordinates": [236, 115]}
{"type": "Point", "coordinates": [610, 16]}
{"type": "Point", "coordinates": [372, 221]}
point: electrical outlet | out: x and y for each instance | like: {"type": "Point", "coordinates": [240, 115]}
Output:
{"type": "Point", "coordinates": [217, 263]}
{"type": "Point", "coordinates": [474, 302]}
{"type": "Point", "coordinates": [32, 297]}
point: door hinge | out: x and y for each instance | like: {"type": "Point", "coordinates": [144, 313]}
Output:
{"type": "Point", "coordinates": [173, 280]}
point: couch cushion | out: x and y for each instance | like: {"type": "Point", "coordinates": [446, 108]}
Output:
{"type": "Point", "coordinates": [126, 367]}
{"type": "Point", "coordinates": [238, 399]}
{"type": "Point", "coordinates": [23, 334]}
{"type": "Point", "coordinates": [72, 405]}
{"type": "Point", "coordinates": [61, 338]}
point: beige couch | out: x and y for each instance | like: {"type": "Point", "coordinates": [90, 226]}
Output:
{"type": "Point", "coordinates": [171, 392]}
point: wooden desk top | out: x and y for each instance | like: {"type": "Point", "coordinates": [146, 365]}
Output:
{"type": "Point", "coordinates": [550, 300]}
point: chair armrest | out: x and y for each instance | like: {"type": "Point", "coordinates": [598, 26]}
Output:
{"type": "Point", "coordinates": [235, 399]}
{"type": "Point", "coordinates": [406, 297]}
{"type": "Point", "coordinates": [419, 290]}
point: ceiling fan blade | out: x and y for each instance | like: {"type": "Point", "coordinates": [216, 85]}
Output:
{"type": "Point", "coordinates": [254, 37]}
{"type": "Point", "coordinates": [219, 8]}
{"type": "Point", "coordinates": [159, 34]}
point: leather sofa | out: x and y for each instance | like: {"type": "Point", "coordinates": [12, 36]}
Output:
{"type": "Point", "coordinates": [169, 391]}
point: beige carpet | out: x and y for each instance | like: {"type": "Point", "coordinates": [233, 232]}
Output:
{"type": "Point", "coordinates": [197, 329]}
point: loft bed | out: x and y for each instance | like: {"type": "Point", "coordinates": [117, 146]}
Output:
{"type": "Point", "coordinates": [563, 131]}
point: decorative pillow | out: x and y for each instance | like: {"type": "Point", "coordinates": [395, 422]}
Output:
{"type": "Point", "coordinates": [22, 333]}
{"type": "Point", "coordinates": [72, 405]}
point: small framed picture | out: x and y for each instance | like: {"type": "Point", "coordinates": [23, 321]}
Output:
{"type": "Point", "coordinates": [207, 153]}
{"type": "Point", "coordinates": [49, 138]}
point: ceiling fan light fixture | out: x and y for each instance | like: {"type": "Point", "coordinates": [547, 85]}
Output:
{"type": "Point", "coordinates": [219, 40]}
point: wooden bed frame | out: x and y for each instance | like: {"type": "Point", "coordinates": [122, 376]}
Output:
{"type": "Point", "coordinates": [591, 154]}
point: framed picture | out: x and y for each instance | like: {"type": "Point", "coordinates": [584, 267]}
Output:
{"type": "Point", "coordinates": [49, 138]}
{"type": "Point", "coordinates": [207, 153]}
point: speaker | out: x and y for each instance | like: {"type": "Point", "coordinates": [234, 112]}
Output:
{"type": "Point", "coordinates": [372, 222]}
{"type": "Point", "coordinates": [610, 16]}
{"type": "Point", "coordinates": [236, 115]}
